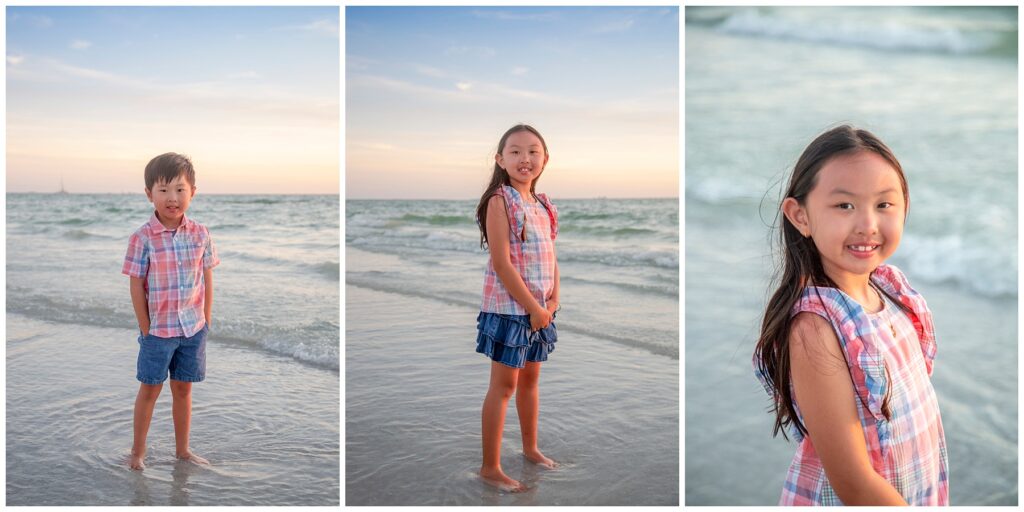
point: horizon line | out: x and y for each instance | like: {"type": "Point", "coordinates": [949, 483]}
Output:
{"type": "Point", "coordinates": [205, 193]}
{"type": "Point", "coordinates": [474, 199]}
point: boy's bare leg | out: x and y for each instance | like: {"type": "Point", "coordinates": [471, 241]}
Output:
{"type": "Point", "coordinates": [181, 410]}
{"type": "Point", "coordinates": [528, 407]}
{"type": "Point", "coordinates": [503, 384]}
{"type": "Point", "coordinates": [144, 403]}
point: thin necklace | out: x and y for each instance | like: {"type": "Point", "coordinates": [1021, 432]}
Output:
{"type": "Point", "coordinates": [888, 314]}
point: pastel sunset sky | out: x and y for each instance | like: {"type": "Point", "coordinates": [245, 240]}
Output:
{"type": "Point", "coordinates": [250, 93]}
{"type": "Point", "coordinates": [430, 90]}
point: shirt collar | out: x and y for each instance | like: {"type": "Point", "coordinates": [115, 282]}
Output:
{"type": "Point", "coordinates": [157, 227]}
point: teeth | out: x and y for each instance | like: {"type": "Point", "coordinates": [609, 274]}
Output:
{"type": "Point", "coordinates": [863, 247]}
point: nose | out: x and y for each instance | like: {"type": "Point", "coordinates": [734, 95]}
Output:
{"type": "Point", "coordinates": [867, 222]}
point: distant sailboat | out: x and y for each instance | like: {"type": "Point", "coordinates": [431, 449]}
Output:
{"type": "Point", "coordinates": [62, 190]}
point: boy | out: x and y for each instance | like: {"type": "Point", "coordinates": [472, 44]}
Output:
{"type": "Point", "coordinates": [170, 261]}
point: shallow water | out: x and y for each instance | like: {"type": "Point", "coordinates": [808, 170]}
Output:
{"type": "Point", "coordinates": [267, 423]}
{"type": "Point", "coordinates": [618, 260]}
{"type": "Point", "coordinates": [414, 387]}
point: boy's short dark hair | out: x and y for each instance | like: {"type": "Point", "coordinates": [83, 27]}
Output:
{"type": "Point", "coordinates": [168, 166]}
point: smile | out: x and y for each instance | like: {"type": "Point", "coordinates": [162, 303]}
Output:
{"type": "Point", "coordinates": [863, 251]}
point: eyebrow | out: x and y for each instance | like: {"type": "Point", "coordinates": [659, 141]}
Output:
{"type": "Point", "coordinates": [530, 146]}
{"type": "Point", "coordinates": [839, 191]}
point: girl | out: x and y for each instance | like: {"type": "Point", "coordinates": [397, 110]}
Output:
{"type": "Point", "coordinates": [518, 226]}
{"type": "Point", "coordinates": [846, 344]}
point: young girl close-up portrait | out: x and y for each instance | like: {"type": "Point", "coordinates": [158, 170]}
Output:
{"type": "Point", "coordinates": [847, 345]}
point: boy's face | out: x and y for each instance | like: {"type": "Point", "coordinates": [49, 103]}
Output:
{"type": "Point", "coordinates": [171, 199]}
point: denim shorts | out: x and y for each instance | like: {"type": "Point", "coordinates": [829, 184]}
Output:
{"type": "Point", "coordinates": [184, 357]}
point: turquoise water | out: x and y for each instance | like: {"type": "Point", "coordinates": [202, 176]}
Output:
{"type": "Point", "coordinates": [939, 86]}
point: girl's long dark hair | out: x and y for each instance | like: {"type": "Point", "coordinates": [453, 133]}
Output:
{"type": "Point", "coordinates": [801, 267]}
{"type": "Point", "coordinates": [499, 177]}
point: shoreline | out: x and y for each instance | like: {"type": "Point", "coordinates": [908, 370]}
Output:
{"type": "Point", "coordinates": [414, 387]}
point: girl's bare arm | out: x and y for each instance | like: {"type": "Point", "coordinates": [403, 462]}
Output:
{"type": "Point", "coordinates": [553, 300]}
{"type": "Point", "coordinates": [821, 381]}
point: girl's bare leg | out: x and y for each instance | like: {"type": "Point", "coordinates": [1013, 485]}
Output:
{"type": "Point", "coordinates": [528, 406]}
{"type": "Point", "coordinates": [144, 403]}
{"type": "Point", "coordinates": [492, 421]}
{"type": "Point", "coordinates": [181, 410]}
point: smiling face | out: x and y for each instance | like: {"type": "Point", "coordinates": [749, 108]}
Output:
{"type": "Point", "coordinates": [854, 214]}
{"type": "Point", "coordinates": [523, 159]}
{"type": "Point", "coordinates": [171, 200]}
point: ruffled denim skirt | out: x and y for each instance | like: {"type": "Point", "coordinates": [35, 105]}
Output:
{"type": "Point", "coordinates": [507, 339]}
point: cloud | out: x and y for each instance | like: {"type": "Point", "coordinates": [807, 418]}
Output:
{"type": "Point", "coordinates": [615, 26]}
{"type": "Point", "coordinates": [378, 146]}
{"type": "Point", "coordinates": [229, 96]}
{"type": "Point", "coordinates": [80, 44]}
{"type": "Point", "coordinates": [14, 60]}
{"type": "Point", "coordinates": [516, 16]}
{"type": "Point", "coordinates": [484, 52]}
{"type": "Point", "coordinates": [244, 75]}
{"type": "Point", "coordinates": [463, 86]}
{"type": "Point", "coordinates": [35, 21]}
{"type": "Point", "coordinates": [520, 70]}
{"type": "Point", "coordinates": [429, 71]}
{"type": "Point", "coordinates": [325, 27]}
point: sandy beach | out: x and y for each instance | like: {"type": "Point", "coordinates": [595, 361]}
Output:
{"type": "Point", "coordinates": [414, 387]}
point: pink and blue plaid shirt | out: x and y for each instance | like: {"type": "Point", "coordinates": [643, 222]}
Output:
{"type": "Point", "coordinates": [532, 255]}
{"type": "Point", "coordinates": [172, 262]}
{"type": "Point", "coordinates": [887, 352]}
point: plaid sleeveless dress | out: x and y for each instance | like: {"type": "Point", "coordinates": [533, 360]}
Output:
{"type": "Point", "coordinates": [887, 352]}
{"type": "Point", "coordinates": [503, 324]}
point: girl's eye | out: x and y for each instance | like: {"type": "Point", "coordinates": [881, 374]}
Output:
{"type": "Point", "coordinates": [845, 206]}
{"type": "Point", "coordinates": [885, 205]}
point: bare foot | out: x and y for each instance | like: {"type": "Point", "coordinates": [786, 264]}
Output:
{"type": "Point", "coordinates": [193, 458]}
{"type": "Point", "coordinates": [135, 461]}
{"type": "Point", "coordinates": [538, 458]}
{"type": "Point", "coordinates": [497, 478]}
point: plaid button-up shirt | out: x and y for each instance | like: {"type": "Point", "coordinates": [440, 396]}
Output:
{"type": "Point", "coordinates": [172, 263]}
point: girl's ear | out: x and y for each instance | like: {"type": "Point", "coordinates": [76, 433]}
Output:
{"type": "Point", "coordinates": [797, 215]}
{"type": "Point", "coordinates": [497, 160]}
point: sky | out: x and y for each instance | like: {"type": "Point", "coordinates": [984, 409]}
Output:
{"type": "Point", "coordinates": [430, 90]}
{"type": "Point", "coordinates": [249, 93]}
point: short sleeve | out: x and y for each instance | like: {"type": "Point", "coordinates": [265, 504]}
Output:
{"type": "Point", "coordinates": [855, 334]}
{"type": "Point", "coordinates": [514, 209]}
{"type": "Point", "coordinates": [552, 214]}
{"type": "Point", "coordinates": [136, 258]}
{"type": "Point", "coordinates": [895, 282]}
{"type": "Point", "coordinates": [210, 258]}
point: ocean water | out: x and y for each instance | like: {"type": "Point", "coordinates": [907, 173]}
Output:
{"type": "Point", "coordinates": [618, 258]}
{"type": "Point", "coordinates": [276, 289]}
{"type": "Point", "coordinates": [414, 384]}
{"type": "Point", "coordinates": [939, 86]}
{"type": "Point", "coordinates": [266, 416]}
